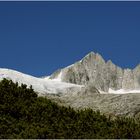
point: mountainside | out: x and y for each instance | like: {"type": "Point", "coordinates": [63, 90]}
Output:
{"type": "Point", "coordinates": [114, 104]}
{"type": "Point", "coordinates": [92, 70]}
{"type": "Point", "coordinates": [88, 83]}
{"type": "Point", "coordinates": [105, 76]}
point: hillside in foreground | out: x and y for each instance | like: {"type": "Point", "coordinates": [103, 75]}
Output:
{"type": "Point", "coordinates": [24, 115]}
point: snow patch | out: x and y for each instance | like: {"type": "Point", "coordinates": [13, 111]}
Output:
{"type": "Point", "coordinates": [40, 85]}
{"type": "Point", "coordinates": [103, 92]}
{"type": "Point", "coordinates": [59, 77]}
{"type": "Point", "coordinates": [46, 78]}
{"type": "Point", "coordinates": [70, 66]}
{"type": "Point", "coordinates": [122, 91]}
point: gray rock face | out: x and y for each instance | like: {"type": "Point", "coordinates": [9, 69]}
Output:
{"type": "Point", "coordinates": [88, 90]}
{"type": "Point", "coordinates": [136, 73]}
{"type": "Point", "coordinates": [128, 79]}
{"type": "Point", "coordinates": [103, 75]}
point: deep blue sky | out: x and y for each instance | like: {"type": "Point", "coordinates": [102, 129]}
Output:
{"type": "Point", "coordinates": [37, 38]}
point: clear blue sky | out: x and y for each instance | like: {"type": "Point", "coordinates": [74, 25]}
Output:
{"type": "Point", "coordinates": [37, 38]}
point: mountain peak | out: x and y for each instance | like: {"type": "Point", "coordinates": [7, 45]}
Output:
{"type": "Point", "coordinates": [109, 62]}
{"type": "Point", "coordinates": [103, 75]}
{"type": "Point", "coordinates": [93, 56]}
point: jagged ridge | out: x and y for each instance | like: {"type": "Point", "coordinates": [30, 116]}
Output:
{"type": "Point", "coordinates": [103, 75]}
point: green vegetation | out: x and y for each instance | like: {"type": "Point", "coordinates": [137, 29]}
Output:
{"type": "Point", "coordinates": [24, 115]}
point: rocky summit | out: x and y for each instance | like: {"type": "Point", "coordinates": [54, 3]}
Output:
{"type": "Point", "coordinates": [103, 75]}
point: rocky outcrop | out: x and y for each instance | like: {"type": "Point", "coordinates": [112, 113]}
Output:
{"type": "Point", "coordinates": [128, 79]}
{"type": "Point", "coordinates": [88, 90]}
{"type": "Point", "coordinates": [103, 75]}
{"type": "Point", "coordinates": [136, 73]}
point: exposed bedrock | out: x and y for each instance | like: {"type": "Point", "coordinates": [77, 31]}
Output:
{"type": "Point", "coordinates": [103, 75]}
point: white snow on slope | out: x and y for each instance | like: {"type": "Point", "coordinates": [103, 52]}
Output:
{"type": "Point", "coordinates": [40, 85]}
{"type": "Point", "coordinates": [59, 77]}
{"type": "Point", "coordinates": [70, 66]}
{"type": "Point", "coordinates": [46, 77]}
{"type": "Point", "coordinates": [122, 91]}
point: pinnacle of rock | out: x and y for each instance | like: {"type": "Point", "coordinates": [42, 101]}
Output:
{"type": "Point", "coordinates": [103, 75]}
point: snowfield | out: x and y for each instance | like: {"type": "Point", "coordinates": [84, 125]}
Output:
{"type": "Point", "coordinates": [41, 85]}
{"type": "Point", "coordinates": [51, 86]}
{"type": "Point", "coordinates": [122, 91]}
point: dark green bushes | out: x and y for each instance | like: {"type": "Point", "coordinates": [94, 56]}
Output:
{"type": "Point", "coordinates": [24, 115]}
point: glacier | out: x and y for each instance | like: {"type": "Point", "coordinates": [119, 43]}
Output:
{"type": "Point", "coordinates": [41, 85]}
